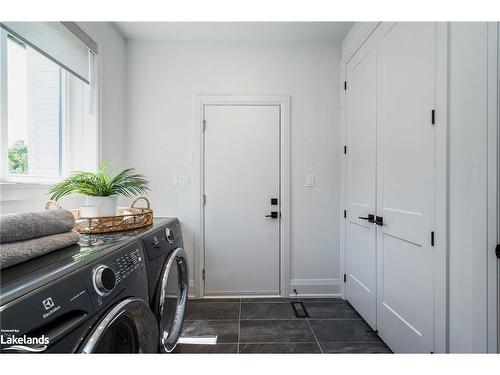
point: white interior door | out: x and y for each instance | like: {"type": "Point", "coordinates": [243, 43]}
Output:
{"type": "Point", "coordinates": [361, 116]}
{"type": "Point", "coordinates": [405, 185]}
{"type": "Point", "coordinates": [241, 175]}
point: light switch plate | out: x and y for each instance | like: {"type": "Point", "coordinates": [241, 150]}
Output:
{"type": "Point", "coordinates": [310, 181]}
{"type": "Point", "coordinates": [181, 181]}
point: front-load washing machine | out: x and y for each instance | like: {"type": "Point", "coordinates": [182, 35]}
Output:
{"type": "Point", "coordinates": [168, 278]}
{"type": "Point", "coordinates": [88, 299]}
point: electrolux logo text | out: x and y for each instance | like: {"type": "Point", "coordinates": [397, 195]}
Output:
{"type": "Point", "coordinates": [50, 307]}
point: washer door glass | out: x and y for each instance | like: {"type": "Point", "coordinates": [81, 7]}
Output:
{"type": "Point", "coordinates": [120, 337]}
{"type": "Point", "coordinates": [171, 299]}
{"type": "Point", "coordinates": [129, 327]}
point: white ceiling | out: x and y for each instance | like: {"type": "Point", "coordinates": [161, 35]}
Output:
{"type": "Point", "coordinates": [236, 31]}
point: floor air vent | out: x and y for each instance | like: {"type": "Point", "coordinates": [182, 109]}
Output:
{"type": "Point", "coordinates": [299, 309]}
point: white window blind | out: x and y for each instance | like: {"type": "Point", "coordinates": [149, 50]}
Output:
{"type": "Point", "coordinates": [63, 42]}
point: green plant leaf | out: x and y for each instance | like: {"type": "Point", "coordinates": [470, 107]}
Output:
{"type": "Point", "coordinates": [101, 183]}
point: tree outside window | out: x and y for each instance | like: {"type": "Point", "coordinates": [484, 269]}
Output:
{"type": "Point", "coordinates": [18, 157]}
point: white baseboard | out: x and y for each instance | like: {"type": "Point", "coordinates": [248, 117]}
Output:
{"type": "Point", "coordinates": [316, 287]}
{"type": "Point", "coordinates": [191, 289]}
{"type": "Point", "coordinates": [305, 288]}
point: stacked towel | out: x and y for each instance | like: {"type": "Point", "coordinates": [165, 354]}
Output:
{"type": "Point", "coordinates": [28, 225]}
{"type": "Point", "coordinates": [17, 252]}
{"type": "Point", "coordinates": [29, 235]}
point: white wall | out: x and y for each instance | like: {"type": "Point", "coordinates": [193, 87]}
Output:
{"type": "Point", "coordinates": [164, 79]}
{"type": "Point", "coordinates": [19, 197]}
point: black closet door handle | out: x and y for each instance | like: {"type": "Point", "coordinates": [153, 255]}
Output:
{"type": "Point", "coordinates": [273, 215]}
{"type": "Point", "coordinates": [370, 218]}
{"type": "Point", "coordinates": [379, 221]}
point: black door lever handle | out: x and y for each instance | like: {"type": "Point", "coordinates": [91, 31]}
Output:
{"type": "Point", "coordinates": [273, 215]}
{"type": "Point", "coordinates": [379, 221]}
{"type": "Point", "coordinates": [370, 218]}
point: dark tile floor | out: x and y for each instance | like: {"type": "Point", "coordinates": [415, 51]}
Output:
{"type": "Point", "coordinates": [270, 326]}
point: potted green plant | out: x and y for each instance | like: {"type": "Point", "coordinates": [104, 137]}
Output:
{"type": "Point", "coordinates": [100, 188]}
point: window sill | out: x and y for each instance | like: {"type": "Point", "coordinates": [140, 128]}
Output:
{"type": "Point", "coordinates": [7, 185]}
{"type": "Point", "coordinates": [24, 191]}
{"type": "Point", "coordinates": [29, 182]}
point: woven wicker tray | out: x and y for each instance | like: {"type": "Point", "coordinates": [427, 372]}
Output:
{"type": "Point", "coordinates": [126, 218]}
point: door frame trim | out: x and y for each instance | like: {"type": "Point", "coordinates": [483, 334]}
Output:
{"type": "Point", "coordinates": [493, 194]}
{"type": "Point", "coordinates": [285, 136]}
{"type": "Point", "coordinates": [441, 251]}
{"type": "Point", "coordinates": [441, 206]}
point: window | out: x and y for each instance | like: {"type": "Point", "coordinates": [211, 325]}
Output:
{"type": "Point", "coordinates": [48, 126]}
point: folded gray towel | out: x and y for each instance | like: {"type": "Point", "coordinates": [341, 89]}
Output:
{"type": "Point", "coordinates": [28, 225]}
{"type": "Point", "coordinates": [17, 252]}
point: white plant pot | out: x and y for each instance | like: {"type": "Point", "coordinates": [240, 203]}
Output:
{"type": "Point", "coordinates": [106, 205]}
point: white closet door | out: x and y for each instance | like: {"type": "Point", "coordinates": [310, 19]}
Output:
{"type": "Point", "coordinates": [405, 185]}
{"type": "Point", "coordinates": [360, 182]}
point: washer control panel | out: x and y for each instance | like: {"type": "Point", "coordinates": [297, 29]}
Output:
{"type": "Point", "coordinates": [127, 264]}
{"type": "Point", "coordinates": [112, 272]}
{"type": "Point", "coordinates": [162, 240]}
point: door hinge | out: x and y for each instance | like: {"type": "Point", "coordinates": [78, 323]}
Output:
{"type": "Point", "coordinates": [204, 199]}
{"type": "Point", "coordinates": [345, 85]}
{"type": "Point", "coordinates": [432, 238]}
{"type": "Point", "coordinates": [203, 275]}
{"type": "Point", "coordinates": [345, 278]}
{"type": "Point", "coordinates": [497, 251]}
{"type": "Point", "coordinates": [204, 125]}
{"type": "Point", "coordinates": [433, 117]}
{"type": "Point", "coordinates": [345, 150]}
{"type": "Point", "coordinates": [345, 214]}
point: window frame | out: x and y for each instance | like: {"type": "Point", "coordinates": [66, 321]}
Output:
{"type": "Point", "coordinates": [8, 180]}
